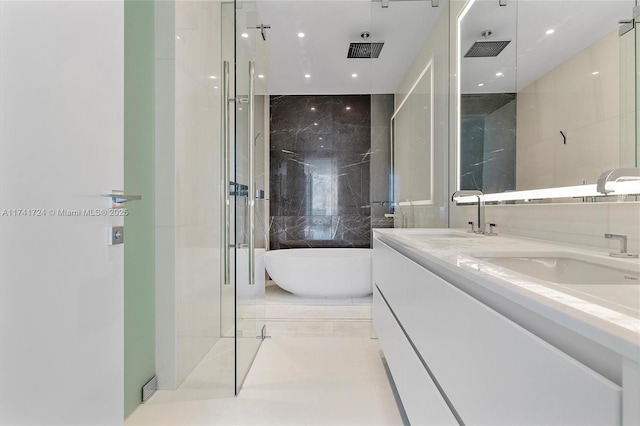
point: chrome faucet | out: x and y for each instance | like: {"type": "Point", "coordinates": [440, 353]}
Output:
{"type": "Point", "coordinates": [478, 194]}
{"type": "Point", "coordinates": [623, 246]}
{"type": "Point", "coordinates": [615, 175]}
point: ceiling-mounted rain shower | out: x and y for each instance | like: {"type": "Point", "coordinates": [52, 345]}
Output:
{"type": "Point", "coordinates": [434, 3]}
{"type": "Point", "coordinates": [365, 49]}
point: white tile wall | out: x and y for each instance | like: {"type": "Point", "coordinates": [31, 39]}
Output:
{"type": "Point", "coordinates": [583, 224]}
{"type": "Point", "coordinates": [187, 177]}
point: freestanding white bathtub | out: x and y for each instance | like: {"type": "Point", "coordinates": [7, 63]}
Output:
{"type": "Point", "coordinates": [321, 272]}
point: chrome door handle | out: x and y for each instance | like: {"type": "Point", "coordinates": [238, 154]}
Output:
{"type": "Point", "coordinates": [252, 185]}
{"type": "Point", "coordinates": [118, 198]}
{"type": "Point", "coordinates": [224, 190]}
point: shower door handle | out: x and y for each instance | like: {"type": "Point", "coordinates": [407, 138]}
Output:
{"type": "Point", "coordinates": [224, 189]}
{"type": "Point", "coordinates": [252, 185]}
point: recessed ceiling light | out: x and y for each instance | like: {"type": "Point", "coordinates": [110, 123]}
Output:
{"type": "Point", "coordinates": [551, 31]}
{"type": "Point", "coordinates": [321, 146]}
{"type": "Point", "coordinates": [307, 76]}
{"type": "Point", "coordinates": [348, 108]}
{"type": "Point", "coordinates": [300, 35]}
{"type": "Point", "coordinates": [313, 108]}
{"type": "Point", "coordinates": [260, 76]}
{"type": "Point", "coordinates": [244, 35]}
{"type": "Point", "coordinates": [595, 73]}
{"type": "Point", "coordinates": [320, 138]}
{"type": "Point", "coordinates": [215, 87]}
{"type": "Point", "coordinates": [481, 84]}
{"type": "Point", "coordinates": [354, 75]}
{"type": "Point", "coordinates": [315, 124]}
{"type": "Point", "coordinates": [177, 37]}
{"type": "Point", "coordinates": [499, 74]}
{"type": "Point", "coordinates": [213, 77]}
{"type": "Point", "coordinates": [240, 108]}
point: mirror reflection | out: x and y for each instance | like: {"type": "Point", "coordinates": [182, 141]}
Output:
{"type": "Point", "coordinates": [547, 93]}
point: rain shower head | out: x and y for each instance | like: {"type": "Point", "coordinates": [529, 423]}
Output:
{"type": "Point", "coordinates": [365, 49]}
{"type": "Point", "coordinates": [486, 48]}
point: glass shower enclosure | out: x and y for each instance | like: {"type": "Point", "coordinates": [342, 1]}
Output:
{"type": "Point", "coordinates": [244, 59]}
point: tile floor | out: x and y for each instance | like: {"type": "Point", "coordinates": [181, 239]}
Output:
{"type": "Point", "coordinates": [321, 367]}
{"type": "Point", "coordinates": [290, 315]}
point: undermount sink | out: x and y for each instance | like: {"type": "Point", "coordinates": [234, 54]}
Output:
{"type": "Point", "coordinates": [601, 281]}
{"type": "Point", "coordinates": [432, 235]}
{"type": "Point", "coordinates": [441, 234]}
{"type": "Point", "coordinates": [564, 269]}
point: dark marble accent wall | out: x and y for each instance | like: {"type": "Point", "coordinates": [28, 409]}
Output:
{"type": "Point", "coordinates": [319, 171]}
{"type": "Point", "coordinates": [488, 142]}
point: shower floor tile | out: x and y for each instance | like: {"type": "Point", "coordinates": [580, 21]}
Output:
{"type": "Point", "coordinates": [293, 381]}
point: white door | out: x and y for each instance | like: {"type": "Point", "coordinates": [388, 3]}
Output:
{"type": "Point", "coordinates": [61, 147]}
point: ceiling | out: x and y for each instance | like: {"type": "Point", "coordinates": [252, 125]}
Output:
{"type": "Point", "coordinates": [329, 26]}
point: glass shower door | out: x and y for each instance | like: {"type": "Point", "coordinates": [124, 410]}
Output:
{"type": "Point", "coordinates": [250, 62]}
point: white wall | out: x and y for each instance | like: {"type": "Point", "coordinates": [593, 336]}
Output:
{"type": "Point", "coordinates": [187, 186]}
{"type": "Point", "coordinates": [61, 147]}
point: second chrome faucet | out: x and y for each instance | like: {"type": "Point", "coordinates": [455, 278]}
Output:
{"type": "Point", "coordinates": [623, 246]}
{"type": "Point", "coordinates": [480, 225]}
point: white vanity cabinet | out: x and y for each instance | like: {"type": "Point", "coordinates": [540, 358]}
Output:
{"type": "Point", "coordinates": [420, 397]}
{"type": "Point", "coordinates": [452, 356]}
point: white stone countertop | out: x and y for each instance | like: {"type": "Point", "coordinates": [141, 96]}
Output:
{"type": "Point", "coordinates": [450, 253]}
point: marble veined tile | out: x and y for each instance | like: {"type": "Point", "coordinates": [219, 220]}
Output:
{"type": "Point", "coordinates": [320, 157]}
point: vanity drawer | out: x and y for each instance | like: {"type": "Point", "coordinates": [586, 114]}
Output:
{"type": "Point", "coordinates": [385, 271]}
{"type": "Point", "coordinates": [420, 397]}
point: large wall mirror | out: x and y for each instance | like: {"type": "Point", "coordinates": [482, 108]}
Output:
{"type": "Point", "coordinates": [412, 142]}
{"type": "Point", "coordinates": [547, 93]}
